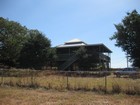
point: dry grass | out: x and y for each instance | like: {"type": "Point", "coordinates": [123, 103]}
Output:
{"type": "Point", "coordinates": [18, 96]}
{"type": "Point", "coordinates": [48, 80]}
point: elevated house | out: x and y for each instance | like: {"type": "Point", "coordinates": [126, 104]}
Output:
{"type": "Point", "coordinates": [98, 55]}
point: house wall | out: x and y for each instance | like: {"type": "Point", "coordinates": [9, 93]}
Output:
{"type": "Point", "coordinates": [101, 58]}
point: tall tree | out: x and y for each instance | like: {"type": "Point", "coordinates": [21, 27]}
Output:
{"type": "Point", "coordinates": [12, 37]}
{"type": "Point", "coordinates": [35, 52]}
{"type": "Point", "coordinates": [128, 36]}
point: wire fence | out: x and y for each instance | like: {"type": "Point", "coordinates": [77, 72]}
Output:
{"type": "Point", "coordinates": [97, 81]}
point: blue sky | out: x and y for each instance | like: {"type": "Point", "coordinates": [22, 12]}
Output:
{"type": "Point", "coordinates": [61, 20]}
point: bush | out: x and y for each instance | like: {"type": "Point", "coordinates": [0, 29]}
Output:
{"type": "Point", "coordinates": [116, 88]}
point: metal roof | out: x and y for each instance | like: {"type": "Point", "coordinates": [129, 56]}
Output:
{"type": "Point", "coordinates": [79, 43]}
{"type": "Point", "coordinates": [74, 41]}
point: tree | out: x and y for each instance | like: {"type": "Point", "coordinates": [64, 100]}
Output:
{"type": "Point", "coordinates": [83, 57]}
{"type": "Point", "coordinates": [22, 47]}
{"type": "Point", "coordinates": [35, 52]}
{"type": "Point", "coordinates": [128, 36]}
{"type": "Point", "coordinates": [12, 37]}
{"type": "Point", "coordinates": [52, 57]}
{"type": "Point", "coordinates": [85, 61]}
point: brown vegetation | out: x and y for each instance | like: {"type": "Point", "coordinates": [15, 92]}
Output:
{"type": "Point", "coordinates": [20, 96]}
{"type": "Point", "coordinates": [62, 81]}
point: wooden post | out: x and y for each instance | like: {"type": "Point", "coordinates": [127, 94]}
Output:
{"type": "Point", "coordinates": [2, 79]}
{"type": "Point", "coordinates": [105, 83]}
{"type": "Point", "coordinates": [68, 78]}
{"type": "Point", "coordinates": [67, 81]}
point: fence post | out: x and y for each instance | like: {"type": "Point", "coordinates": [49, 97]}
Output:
{"type": "Point", "coordinates": [105, 83]}
{"type": "Point", "coordinates": [68, 78]}
{"type": "Point", "coordinates": [2, 77]}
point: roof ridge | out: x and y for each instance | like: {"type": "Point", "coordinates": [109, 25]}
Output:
{"type": "Point", "coordinates": [74, 41]}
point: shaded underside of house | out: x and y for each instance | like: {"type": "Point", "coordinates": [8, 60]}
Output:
{"type": "Point", "coordinates": [98, 56]}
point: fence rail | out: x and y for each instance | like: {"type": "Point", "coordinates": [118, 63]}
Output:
{"type": "Point", "coordinates": [98, 81]}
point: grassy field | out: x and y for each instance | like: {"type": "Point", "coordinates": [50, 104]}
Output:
{"type": "Point", "coordinates": [51, 80]}
{"type": "Point", "coordinates": [26, 87]}
{"type": "Point", "coordinates": [22, 96]}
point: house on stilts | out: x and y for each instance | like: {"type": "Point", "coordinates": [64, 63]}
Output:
{"type": "Point", "coordinates": [96, 56]}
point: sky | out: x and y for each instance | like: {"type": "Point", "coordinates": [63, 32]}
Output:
{"type": "Point", "coordinates": [62, 20]}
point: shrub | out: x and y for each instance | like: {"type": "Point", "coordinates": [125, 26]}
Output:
{"type": "Point", "coordinates": [116, 88]}
{"type": "Point", "coordinates": [130, 90]}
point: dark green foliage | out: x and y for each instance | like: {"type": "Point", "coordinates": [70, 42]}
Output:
{"type": "Point", "coordinates": [52, 56]}
{"type": "Point", "coordinates": [86, 60]}
{"type": "Point", "coordinates": [81, 52]}
{"type": "Point", "coordinates": [34, 53]}
{"type": "Point", "coordinates": [12, 37]}
{"type": "Point", "coordinates": [128, 36]}
{"type": "Point", "coordinates": [83, 57]}
{"type": "Point", "coordinates": [21, 47]}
